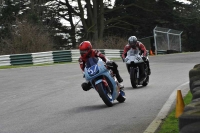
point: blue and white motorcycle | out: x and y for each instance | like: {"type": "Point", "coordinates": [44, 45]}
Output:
{"type": "Point", "coordinates": [103, 81]}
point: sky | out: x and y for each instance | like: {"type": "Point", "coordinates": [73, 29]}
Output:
{"type": "Point", "coordinates": [186, 1]}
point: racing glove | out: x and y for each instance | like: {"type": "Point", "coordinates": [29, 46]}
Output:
{"type": "Point", "coordinates": [125, 59]}
{"type": "Point", "coordinates": [144, 58]}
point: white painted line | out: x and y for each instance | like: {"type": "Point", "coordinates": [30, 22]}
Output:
{"type": "Point", "coordinates": [164, 111]}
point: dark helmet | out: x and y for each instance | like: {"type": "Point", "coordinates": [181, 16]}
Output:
{"type": "Point", "coordinates": [132, 40]}
{"type": "Point", "coordinates": [85, 48]}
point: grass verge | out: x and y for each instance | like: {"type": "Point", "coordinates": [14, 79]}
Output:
{"type": "Point", "coordinates": [170, 123]}
{"type": "Point", "coordinates": [18, 66]}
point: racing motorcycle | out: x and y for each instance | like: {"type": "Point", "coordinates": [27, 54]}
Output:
{"type": "Point", "coordinates": [103, 81]}
{"type": "Point", "coordinates": [133, 59]}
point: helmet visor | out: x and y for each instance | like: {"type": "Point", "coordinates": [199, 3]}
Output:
{"type": "Point", "coordinates": [132, 43]}
{"type": "Point", "coordinates": [82, 52]}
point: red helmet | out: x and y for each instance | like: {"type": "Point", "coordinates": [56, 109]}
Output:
{"type": "Point", "coordinates": [85, 48]}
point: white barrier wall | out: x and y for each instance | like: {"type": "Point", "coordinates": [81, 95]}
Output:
{"type": "Point", "coordinates": [51, 57]}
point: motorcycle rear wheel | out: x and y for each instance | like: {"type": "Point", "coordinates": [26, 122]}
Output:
{"type": "Point", "coordinates": [105, 95]}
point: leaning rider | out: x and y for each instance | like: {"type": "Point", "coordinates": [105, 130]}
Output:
{"type": "Point", "coordinates": [86, 52]}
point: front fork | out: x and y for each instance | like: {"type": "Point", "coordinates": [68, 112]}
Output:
{"type": "Point", "coordinates": [105, 83]}
{"type": "Point", "coordinates": [136, 70]}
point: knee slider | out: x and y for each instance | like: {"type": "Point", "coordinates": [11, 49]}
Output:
{"type": "Point", "coordinates": [85, 86]}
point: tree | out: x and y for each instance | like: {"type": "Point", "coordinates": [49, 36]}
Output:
{"type": "Point", "coordinates": [140, 17]}
{"type": "Point", "coordinates": [131, 18]}
{"type": "Point", "coordinates": [8, 14]}
{"type": "Point", "coordinates": [14, 12]}
{"type": "Point", "coordinates": [89, 16]}
{"type": "Point", "coordinates": [63, 10]}
{"type": "Point", "coordinates": [189, 21]}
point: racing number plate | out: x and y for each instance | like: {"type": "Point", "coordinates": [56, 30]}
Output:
{"type": "Point", "coordinates": [133, 52]}
{"type": "Point", "coordinates": [93, 70]}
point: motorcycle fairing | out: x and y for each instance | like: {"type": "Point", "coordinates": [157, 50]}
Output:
{"type": "Point", "coordinates": [133, 55]}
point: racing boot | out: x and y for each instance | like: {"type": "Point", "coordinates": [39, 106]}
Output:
{"type": "Point", "coordinates": [116, 72]}
{"type": "Point", "coordinates": [86, 86]}
{"type": "Point", "coordinates": [121, 86]}
{"type": "Point", "coordinates": [119, 79]}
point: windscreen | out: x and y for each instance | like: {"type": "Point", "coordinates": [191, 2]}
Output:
{"type": "Point", "coordinates": [91, 62]}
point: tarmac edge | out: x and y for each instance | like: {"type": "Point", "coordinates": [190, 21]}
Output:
{"type": "Point", "coordinates": [166, 108]}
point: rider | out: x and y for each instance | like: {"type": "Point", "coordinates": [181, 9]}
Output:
{"type": "Point", "coordinates": [86, 51]}
{"type": "Point", "coordinates": [135, 44]}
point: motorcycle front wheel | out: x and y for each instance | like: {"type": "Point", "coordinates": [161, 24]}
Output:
{"type": "Point", "coordinates": [133, 77]}
{"type": "Point", "coordinates": [105, 95]}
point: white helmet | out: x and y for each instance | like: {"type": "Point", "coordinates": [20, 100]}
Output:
{"type": "Point", "coordinates": [132, 40]}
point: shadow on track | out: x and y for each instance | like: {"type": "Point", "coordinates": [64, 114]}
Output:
{"type": "Point", "coordinates": [131, 88]}
{"type": "Point", "coordinates": [90, 108]}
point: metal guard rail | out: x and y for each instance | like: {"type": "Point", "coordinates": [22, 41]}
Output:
{"type": "Point", "coordinates": [53, 57]}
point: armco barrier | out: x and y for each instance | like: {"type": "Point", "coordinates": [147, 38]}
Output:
{"type": "Point", "coordinates": [62, 56]}
{"type": "Point", "coordinates": [5, 60]}
{"type": "Point", "coordinates": [53, 57]}
{"type": "Point", "coordinates": [75, 55]}
{"type": "Point", "coordinates": [112, 53]}
{"type": "Point", "coordinates": [21, 59]}
{"type": "Point", "coordinates": [42, 57]}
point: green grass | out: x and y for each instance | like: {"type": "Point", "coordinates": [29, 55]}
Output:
{"type": "Point", "coordinates": [18, 66]}
{"type": "Point", "coordinates": [170, 123]}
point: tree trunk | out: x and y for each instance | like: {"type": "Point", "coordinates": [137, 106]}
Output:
{"type": "Point", "coordinates": [82, 17]}
{"type": "Point", "coordinates": [101, 25]}
{"type": "Point", "coordinates": [95, 17]}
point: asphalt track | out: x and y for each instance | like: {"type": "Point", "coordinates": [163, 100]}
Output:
{"type": "Point", "coordinates": [49, 99]}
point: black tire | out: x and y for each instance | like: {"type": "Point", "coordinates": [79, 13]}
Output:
{"type": "Point", "coordinates": [197, 66]}
{"type": "Point", "coordinates": [192, 80]}
{"type": "Point", "coordinates": [189, 117]}
{"type": "Point", "coordinates": [121, 98]}
{"type": "Point", "coordinates": [194, 72]}
{"type": "Point", "coordinates": [196, 95]}
{"type": "Point", "coordinates": [133, 77]}
{"type": "Point", "coordinates": [192, 106]}
{"type": "Point", "coordinates": [145, 83]}
{"type": "Point", "coordinates": [196, 100]}
{"type": "Point", "coordinates": [106, 96]}
{"type": "Point", "coordinates": [191, 128]}
{"type": "Point", "coordinates": [195, 89]}
{"type": "Point", "coordinates": [195, 83]}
